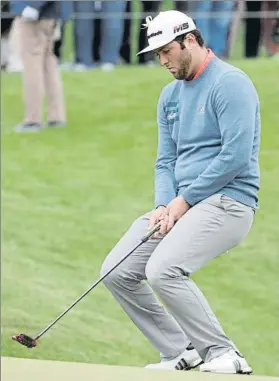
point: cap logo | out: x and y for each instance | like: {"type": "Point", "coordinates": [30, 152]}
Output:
{"type": "Point", "coordinates": [155, 34]}
{"type": "Point", "coordinates": [180, 27]}
{"type": "Point", "coordinates": [148, 20]}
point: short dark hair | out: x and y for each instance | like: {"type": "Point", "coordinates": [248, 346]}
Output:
{"type": "Point", "coordinates": [195, 33]}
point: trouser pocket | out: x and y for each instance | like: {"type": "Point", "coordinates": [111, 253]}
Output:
{"type": "Point", "coordinates": [235, 208]}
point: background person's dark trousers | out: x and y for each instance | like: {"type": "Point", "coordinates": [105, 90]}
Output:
{"type": "Point", "coordinates": [58, 45]}
{"type": "Point", "coordinates": [147, 6]}
{"type": "Point", "coordinates": [182, 6]}
{"type": "Point", "coordinates": [253, 30]}
{"type": "Point", "coordinates": [125, 50]}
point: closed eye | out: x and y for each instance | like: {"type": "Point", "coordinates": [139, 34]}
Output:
{"type": "Point", "coordinates": [165, 50]}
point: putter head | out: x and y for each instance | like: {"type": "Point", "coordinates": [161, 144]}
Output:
{"type": "Point", "coordinates": [25, 340]}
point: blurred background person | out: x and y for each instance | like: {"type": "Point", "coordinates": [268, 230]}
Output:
{"type": "Point", "coordinates": [252, 30]}
{"type": "Point", "coordinates": [10, 46]}
{"type": "Point", "coordinates": [183, 5]}
{"type": "Point", "coordinates": [147, 7]}
{"type": "Point", "coordinates": [14, 60]}
{"type": "Point", "coordinates": [215, 30]}
{"type": "Point", "coordinates": [97, 32]}
{"type": "Point", "coordinates": [112, 26]}
{"type": "Point", "coordinates": [275, 34]}
{"type": "Point", "coordinates": [65, 14]}
{"type": "Point", "coordinates": [96, 43]}
{"type": "Point", "coordinates": [125, 48]}
{"type": "Point", "coordinates": [40, 70]}
{"type": "Point", "coordinates": [6, 23]}
{"type": "Point", "coordinates": [269, 25]}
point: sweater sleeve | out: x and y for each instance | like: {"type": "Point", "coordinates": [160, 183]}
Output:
{"type": "Point", "coordinates": [165, 185]}
{"type": "Point", "coordinates": [235, 103]}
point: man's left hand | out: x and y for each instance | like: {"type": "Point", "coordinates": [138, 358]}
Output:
{"type": "Point", "coordinates": [176, 209]}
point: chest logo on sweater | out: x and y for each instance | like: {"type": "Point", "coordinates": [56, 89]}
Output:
{"type": "Point", "coordinates": [201, 110]}
{"type": "Point", "coordinates": [171, 115]}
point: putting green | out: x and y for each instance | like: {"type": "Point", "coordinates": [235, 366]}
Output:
{"type": "Point", "coordinates": [14, 369]}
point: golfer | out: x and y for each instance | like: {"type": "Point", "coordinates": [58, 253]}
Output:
{"type": "Point", "coordinates": [206, 184]}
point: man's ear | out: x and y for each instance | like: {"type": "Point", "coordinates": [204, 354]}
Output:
{"type": "Point", "coordinates": [189, 41]}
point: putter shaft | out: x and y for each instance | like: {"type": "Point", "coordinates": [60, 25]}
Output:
{"type": "Point", "coordinates": [143, 239]}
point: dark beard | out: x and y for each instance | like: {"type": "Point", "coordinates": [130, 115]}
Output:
{"type": "Point", "coordinates": [183, 73]}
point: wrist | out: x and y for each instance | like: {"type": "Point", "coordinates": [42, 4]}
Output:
{"type": "Point", "coordinates": [186, 202]}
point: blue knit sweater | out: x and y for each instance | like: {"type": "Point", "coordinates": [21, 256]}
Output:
{"type": "Point", "coordinates": [209, 137]}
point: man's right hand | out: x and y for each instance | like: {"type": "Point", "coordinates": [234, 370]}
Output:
{"type": "Point", "coordinates": [160, 215]}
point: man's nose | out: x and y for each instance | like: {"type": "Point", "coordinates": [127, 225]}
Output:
{"type": "Point", "coordinates": [163, 60]}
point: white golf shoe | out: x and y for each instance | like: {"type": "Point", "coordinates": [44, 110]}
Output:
{"type": "Point", "coordinates": [229, 362]}
{"type": "Point", "coordinates": [189, 359]}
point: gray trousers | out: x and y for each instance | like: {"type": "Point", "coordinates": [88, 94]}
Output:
{"type": "Point", "coordinates": [161, 268]}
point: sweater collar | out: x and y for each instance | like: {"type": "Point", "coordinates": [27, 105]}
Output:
{"type": "Point", "coordinates": [204, 65]}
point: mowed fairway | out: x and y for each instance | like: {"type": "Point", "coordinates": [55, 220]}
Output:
{"type": "Point", "coordinates": [67, 197]}
{"type": "Point", "coordinates": [25, 369]}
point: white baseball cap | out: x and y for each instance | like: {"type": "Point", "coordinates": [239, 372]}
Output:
{"type": "Point", "coordinates": [165, 27]}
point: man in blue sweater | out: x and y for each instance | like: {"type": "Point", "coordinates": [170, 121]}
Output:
{"type": "Point", "coordinates": [206, 184]}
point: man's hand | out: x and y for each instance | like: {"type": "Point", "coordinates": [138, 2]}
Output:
{"type": "Point", "coordinates": [175, 210]}
{"type": "Point", "coordinates": [159, 215]}
{"type": "Point", "coordinates": [30, 14]}
{"type": "Point", "coordinates": [167, 216]}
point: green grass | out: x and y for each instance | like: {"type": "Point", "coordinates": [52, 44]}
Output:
{"type": "Point", "coordinates": [67, 197]}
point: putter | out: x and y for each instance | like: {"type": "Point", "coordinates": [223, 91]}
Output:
{"type": "Point", "coordinates": [29, 342]}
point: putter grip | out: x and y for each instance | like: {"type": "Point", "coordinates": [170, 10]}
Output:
{"type": "Point", "coordinates": [150, 233]}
